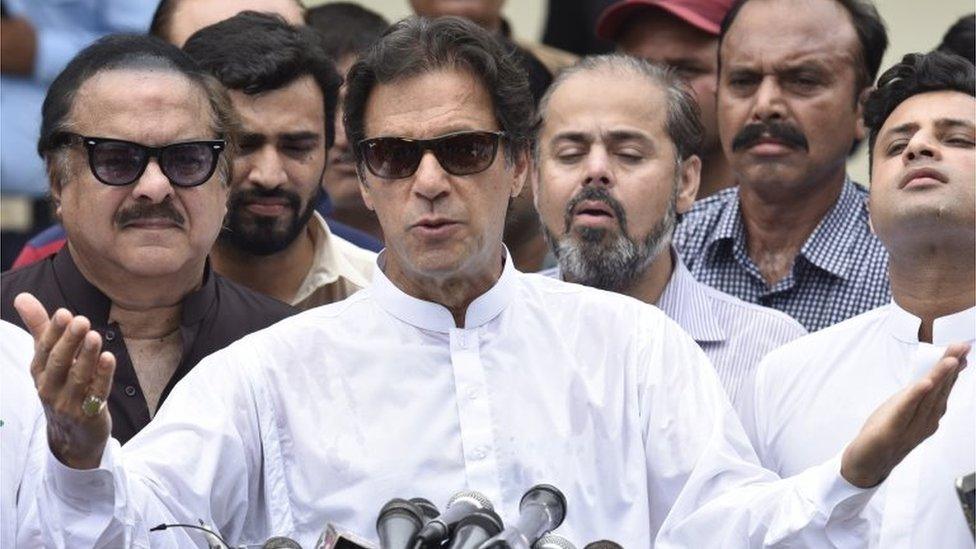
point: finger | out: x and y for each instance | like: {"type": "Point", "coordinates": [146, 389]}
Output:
{"type": "Point", "coordinates": [942, 376]}
{"type": "Point", "coordinates": [43, 346]}
{"type": "Point", "coordinates": [957, 350]}
{"type": "Point", "coordinates": [33, 314]}
{"type": "Point", "coordinates": [63, 354]}
{"type": "Point", "coordinates": [79, 380]}
{"type": "Point", "coordinates": [101, 384]}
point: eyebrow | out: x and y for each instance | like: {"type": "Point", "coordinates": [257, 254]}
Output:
{"type": "Point", "coordinates": [299, 136]}
{"type": "Point", "coordinates": [612, 135]}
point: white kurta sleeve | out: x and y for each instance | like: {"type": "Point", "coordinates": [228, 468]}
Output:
{"type": "Point", "coordinates": [706, 486]}
{"type": "Point", "coordinates": [200, 459]}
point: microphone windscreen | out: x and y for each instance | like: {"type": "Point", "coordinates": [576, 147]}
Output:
{"type": "Point", "coordinates": [603, 544]}
{"type": "Point", "coordinates": [281, 542]}
{"type": "Point", "coordinates": [553, 541]}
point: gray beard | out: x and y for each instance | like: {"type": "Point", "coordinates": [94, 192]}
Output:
{"type": "Point", "coordinates": [608, 260]}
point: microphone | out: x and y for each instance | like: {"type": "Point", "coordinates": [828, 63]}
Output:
{"type": "Point", "coordinates": [281, 542]}
{"type": "Point", "coordinates": [214, 541]}
{"type": "Point", "coordinates": [461, 505]}
{"type": "Point", "coordinates": [475, 528]}
{"type": "Point", "coordinates": [542, 509]}
{"type": "Point", "coordinates": [427, 508]}
{"type": "Point", "coordinates": [603, 544]}
{"type": "Point", "coordinates": [398, 523]}
{"type": "Point", "coordinates": [553, 541]}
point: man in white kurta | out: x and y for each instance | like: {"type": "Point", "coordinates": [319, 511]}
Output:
{"type": "Point", "coordinates": [811, 396]}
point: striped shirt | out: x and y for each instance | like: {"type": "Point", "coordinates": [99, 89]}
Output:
{"type": "Point", "coordinates": [734, 335]}
{"type": "Point", "coordinates": [841, 270]}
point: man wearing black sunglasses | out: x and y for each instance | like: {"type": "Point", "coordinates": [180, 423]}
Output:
{"type": "Point", "coordinates": [138, 143]}
{"type": "Point", "coordinates": [452, 369]}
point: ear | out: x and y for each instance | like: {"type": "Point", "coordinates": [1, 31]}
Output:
{"type": "Point", "coordinates": [867, 204]}
{"type": "Point", "coordinates": [56, 180]}
{"type": "Point", "coordinates": [860, 130]}
{"type": "Point", "coordinates": [688, 182]}
{"type": "Point", "coordinates": [520, 173]}
{"type": "Point", "coordinates": [364, 189]}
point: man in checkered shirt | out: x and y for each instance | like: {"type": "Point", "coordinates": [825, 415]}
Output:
{"type": "Point", "coordinates": [794, 234]}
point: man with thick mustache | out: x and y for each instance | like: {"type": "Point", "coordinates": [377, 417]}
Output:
{"type": "Point", "coordinates": [451, 370]}
{"type": "Point", "coordinates": [614, 171]}
{"type": "Point", "coordinates": [138, 144]}
{"type": "Point", "coordinates": [794, 234]}
{"type": "Point", "coordinates": [284, 88]}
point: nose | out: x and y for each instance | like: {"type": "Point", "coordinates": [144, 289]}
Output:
{"type": "Point", "coordinates": [921, 146]}
{"type": "Point", "coordinates": [431, 182]}
{"type": "Point", "coordinates": [153, 185]}
{"type": "Point", "coordinates": [597, 166]}
{"type": "Point", "coordinates": [768, 101]}
{"type": "Point", "coordinates": [264, 168]}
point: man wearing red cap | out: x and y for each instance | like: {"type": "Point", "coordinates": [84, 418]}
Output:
{"type": "Point", "coordinates": [682, 34]}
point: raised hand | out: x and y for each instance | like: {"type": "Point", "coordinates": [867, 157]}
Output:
{"type": "Point", "coordinates": [73, 379]}
{"type": "Point", "coordinates": [902, 422]}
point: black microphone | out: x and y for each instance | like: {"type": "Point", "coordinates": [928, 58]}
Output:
{"type": "Point", "coordinates": [542, 509]}
{"type": "Point", "coordinates": [475, 528]}
{"type": "Point", "coordinates": [398, 523]}
{"type": "Point", "coordinates": [281, 542]}
{"type": "Point", "coordinates": [427, 508]}
{"type": "Point", "coordinates": [553, 541]}
{"type": "Point", "coordinates": [461, 505]}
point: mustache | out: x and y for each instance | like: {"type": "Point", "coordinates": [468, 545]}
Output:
{"type": "Point", "coordinates": [781, 131]}
{"type": "Point", "coordinates": [600, 194]}
{"type": "Point", "coordinates": [240, 198]}
{"type": "Point", "coordinates": [144, 210]}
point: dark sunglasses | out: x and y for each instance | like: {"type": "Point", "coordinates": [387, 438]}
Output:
{"type": "Point", "coordinates": [118, 163]}
{"type": "Point", "coordinates": [460, 153]}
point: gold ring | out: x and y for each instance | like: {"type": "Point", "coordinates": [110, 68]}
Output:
{"type": "Point", "coordinates": [93, 405]}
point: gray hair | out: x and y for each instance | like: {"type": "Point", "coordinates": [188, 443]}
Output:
{"type": "Point", "coordinates": [683, 122]}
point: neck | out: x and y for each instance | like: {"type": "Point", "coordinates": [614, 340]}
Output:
{"type": "Point", "coordinates": [651, 284]}
{"type": "Point", "coordinates": [529, 254]}
{"type": "Point", "coordinates": [146, 323]}
{"type": "Point", "coordinates": [141, 294]}
{"type": "Point", "coordinates": [934, 281]}
{"type": "Point", "coordinates": [456, 291]}
{"type": "Point", "coordinates": [778, 221]}
{"type": "Point", "coordinates": [278, 275]}
{"type": "Point", "coordinates": [365, 221]}
{"type": "Point", "coordinates": [716, 173]}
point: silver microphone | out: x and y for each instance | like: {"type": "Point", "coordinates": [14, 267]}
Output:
{"type": "Point", "coordinates": [461, 505]}
{"type": "Point", "coordinates": [553, 541]}
{"type": "Point", "coordinates": [542, 509]}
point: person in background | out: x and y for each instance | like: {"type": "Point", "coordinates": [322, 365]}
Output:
{"type": "Point", "coordinates": [37, 39]}
{"type": "Point", "coordinates": [347, 29]}
{"type": "Point", "coordinates": [960, 39]}
{"type": "Point", "coordinates": [615, 171]}
{"type": "Point", "coordinates": [812, 395]}
{"type": "Point", "coordinates": [284, 88]}
{"type": "Point", "coordinates": [683, 35]}
{"type": "Point", "coordinates": [138, 144]}
{"type": "Point", "coordinates": [451, 370]}
{"type": "Point", "coordinates": [794, 234]}
{"type": "Point", "coordinates": [571, 26]}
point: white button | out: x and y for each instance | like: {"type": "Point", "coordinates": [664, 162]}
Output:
{"type": "Point", "coordinates": [479, 453]}
{"type": "Point", "coordinates": [472, 393]}
{"type": "Point", "coordinates": [462, 341]}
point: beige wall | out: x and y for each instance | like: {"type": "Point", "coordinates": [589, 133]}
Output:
{"type": "Point", "coordinates": [913, 25]}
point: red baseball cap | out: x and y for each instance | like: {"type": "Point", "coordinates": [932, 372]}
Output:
{"type": "Point", "coordinates": [706, 15]}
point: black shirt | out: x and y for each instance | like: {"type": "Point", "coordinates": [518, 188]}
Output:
{"type": "Point", "coordinates": [214, 316]}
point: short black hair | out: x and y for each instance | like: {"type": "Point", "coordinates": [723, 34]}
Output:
{"type": "Point", "coordinates": [960, 39]}
{"type": "Point", "coordinates": [871, 36]}
{"type": "Point", "coordinates": [257, 52]}
{"type": "Point", "coordinates": [346, 27]}
{"type": "Point", "coordinates": [162, 20]}
{"type": "Point", "coordinates": [127, 52]}
{"type": "Point", "coordinates": [916, 73]}
{"type": "Point", "coordinates": [416, 45]}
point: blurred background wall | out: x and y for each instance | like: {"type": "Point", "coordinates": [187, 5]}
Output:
{"type": "Point", "coordinates": [913, 25]}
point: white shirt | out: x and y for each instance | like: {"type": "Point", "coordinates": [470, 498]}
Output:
{"type": "Point", "coordinates": [735, 335]}
{"type": "Point", "coordinates": [22, 435]}
{"type": "Point", "coordinates": [328, 414]}
{"type": "Point", "coordinates": [813, 395]}
{"type": "Point", "coordinates": [339, 268]}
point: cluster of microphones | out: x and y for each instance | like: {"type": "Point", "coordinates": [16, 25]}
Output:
{"type": "Point", "coordinates": [469, 521]}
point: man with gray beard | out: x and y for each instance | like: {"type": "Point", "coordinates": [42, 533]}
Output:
{"type": "Point", "coordinates": [617, 160]}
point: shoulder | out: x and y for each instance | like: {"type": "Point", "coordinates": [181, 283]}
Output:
{"type": "Point", "coordinates": [17, 350]}
{"type": "Point", "coordinates": [703, 216]}
{"type": "Point", "coordinates": [254, 309]}
{"type": "Point", "coordinates": [361, 259]}
{"type": "Point", "coordinates": [765, 318]}
{"type": "Point", "coordinates": [35, 278]}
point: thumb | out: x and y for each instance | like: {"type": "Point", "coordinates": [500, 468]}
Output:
{"type": "Point", "coordinates": [33, 314]}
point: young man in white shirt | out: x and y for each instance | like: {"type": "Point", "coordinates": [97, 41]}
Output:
{"type": "Point", "coordinates": [451, 370]}
{"type": "Point", "coordinates": [812, 395]}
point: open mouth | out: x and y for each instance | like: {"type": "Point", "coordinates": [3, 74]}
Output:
{"type": "Point", "coordinates": [594, 209]}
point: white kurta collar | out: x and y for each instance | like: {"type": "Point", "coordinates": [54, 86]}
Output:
{"type": "Point", "coordinates": [428, 315]}
{"type": "Point", "coordinates": [948, 329]}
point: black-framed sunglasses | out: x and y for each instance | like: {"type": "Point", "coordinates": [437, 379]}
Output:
{"type": "Point", "coordinates": [459, 153]}
{"type": "Point", "coordinates": [118, 163]}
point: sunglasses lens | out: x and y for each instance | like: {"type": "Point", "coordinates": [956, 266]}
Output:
{"type": "Point", "coordinates": [391, 157]}
{"type": "Point", "coordinates": [116, 163]}
{"type": "Point", "coordinates": [188, 164]}
{"type": "Point", "coordinates": [467, 153]}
